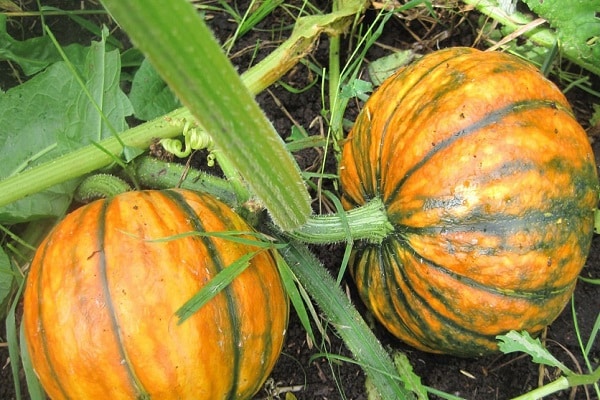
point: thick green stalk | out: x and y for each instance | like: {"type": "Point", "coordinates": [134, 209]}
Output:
{"type": "Point", "coordinates": [183, 50]}
{"type": "Point", "coordinates": [369, 222]}
{"type": "Point", "coordinates": [156, 174]}
{"type": "Point", "coordinates": [86, 159]}
{"type": "Point", "coordinates": [346, 320]}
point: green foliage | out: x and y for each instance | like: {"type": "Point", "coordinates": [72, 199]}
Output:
{"type": "Point", "coordinates": [577, 26]}
{"type": "Point", "coordinates": [54, 113]}
{"type": "Point", "coordinates": [523, 342]}
{"type": "Point", "coordinates": [35, 54]}
{"type": "Point", "coordinates": [150, 95]}
{"type": "Point", "coordinates": [410, 380]}
{"type": "Point", "coordinates": [574, 26]}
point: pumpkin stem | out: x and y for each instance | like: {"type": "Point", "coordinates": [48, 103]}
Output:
{"type": "Point", "coordinates": [369, 222]}
{"type": "Point", "coordinates": [100, 186]}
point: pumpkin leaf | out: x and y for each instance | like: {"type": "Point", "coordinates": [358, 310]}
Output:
{"type": "Point", "coordinates": [214, 286]}
{"type": "Point", "coordinates": [411, 380]}
{"type": "Point", "coordinates": [34, 54]}
{"type": "Point", "coordinates": [150, 95]}
{"type": "Point", "coordinates": [577, 26]}
{"type": "Point", "coordinates": [54, 113]}
{"type": "Point", "coordinates": [515, 341]}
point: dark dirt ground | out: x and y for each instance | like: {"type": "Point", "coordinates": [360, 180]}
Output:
{"type": "Point", "coordinates": [493, 377]}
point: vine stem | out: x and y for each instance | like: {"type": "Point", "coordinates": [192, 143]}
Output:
{"type": "Point", "coordinates": [186, 54]}
{"type": "Point", "coordinates": [347, 321]}
{"type": "Point", "coordinates": [562, 383]}
{"type": "Point", "coordinates": [86, 159]}
{"type": "Point", "coordinates": [92, 157]}
{"type": "Point", "coordinates": [368, 222]}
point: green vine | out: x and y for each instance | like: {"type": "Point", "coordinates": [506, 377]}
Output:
{"type": "Point", "coordinates": [100, 186]}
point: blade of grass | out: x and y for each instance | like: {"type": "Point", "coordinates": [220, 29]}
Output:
{"type": "Point", "coordinates": [185, 53]}
{"type": "Point", "coordinates": [586, 348]}
{"type": "Point", "coordinates": [214, 286]}
{"type": "Point", "coordinates": [289, 281]}
{"type": "Point", "coordinates": [34, 387]}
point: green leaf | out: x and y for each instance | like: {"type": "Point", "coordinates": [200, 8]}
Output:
{"type": "Point", "coordinates": [514, 341]}
{"type": "Point", "coordinates": [411, 380]}
{"type": "Point", "coordinates": [150, 95]}
{"type": "Point", "coordinates": [595, 120]}
{"type": "Point", "coordinates": [357, 88]}
{"type": "Point", "coordinates": [577, 25]}
{"type": "Point", "coordinates": [384, 67]}
{"type": "Point", "coordinates": [35, 54]}
{"type": "Point", "coordinates": [50, 115]}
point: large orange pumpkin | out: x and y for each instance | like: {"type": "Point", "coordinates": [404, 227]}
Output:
{"type": "Point", "coordinates": [102, 293]}
{"type": "Point", "coordinates": [491, 186]}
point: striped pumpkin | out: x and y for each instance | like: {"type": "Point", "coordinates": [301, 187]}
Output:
{"type": "Point", "coordinates": [490, 184]}
{"type": "Point", "coordinates": [101, 298]}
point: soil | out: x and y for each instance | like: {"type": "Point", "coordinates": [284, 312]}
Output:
{"type": "Point", "coordinates": [299, 370]}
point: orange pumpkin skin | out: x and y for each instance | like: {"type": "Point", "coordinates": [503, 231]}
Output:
{"type": "Point", "coordinates": [490, 184]}
{"type": "Point", "coordinates": [101, 297]}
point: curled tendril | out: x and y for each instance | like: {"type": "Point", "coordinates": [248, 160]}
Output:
{"type": "Point", "coordinates": [195, 139]}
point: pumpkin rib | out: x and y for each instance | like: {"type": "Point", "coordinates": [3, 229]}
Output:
{"type": "Point", "coordinates": [489, 119]}
{"type": "Point", "coordinates": [501, 225]}
{"type": "Point", "coordinates": [268, 342]}
{"type": "Point", "coordinates": [453, 326]}
{"type": "Point", "coordinates": [215, 256]}
{"type": "Point", "coordinates": [402, 280]}
{"type": "Point", "coordinates": [101, 266]}
{"type": "Point", "coordinates": [385, 303]}
{"type": "Point", "coordinates": [358, 145]}
{"type": "Point", "coordinates": [534, 296]}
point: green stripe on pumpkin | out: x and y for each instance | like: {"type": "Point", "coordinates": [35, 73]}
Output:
{"type": "Point", "coordinates": [491, 118]}
{"type": "Point", "coordinates": [215, 256]}
{"type": "Point", "coordinates": [136, 384]}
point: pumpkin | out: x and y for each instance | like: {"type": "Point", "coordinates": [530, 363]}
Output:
{"type": "Point", "coordinates": [102, 295]}
{"type": "Point", "coordinates": [490, 184]}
